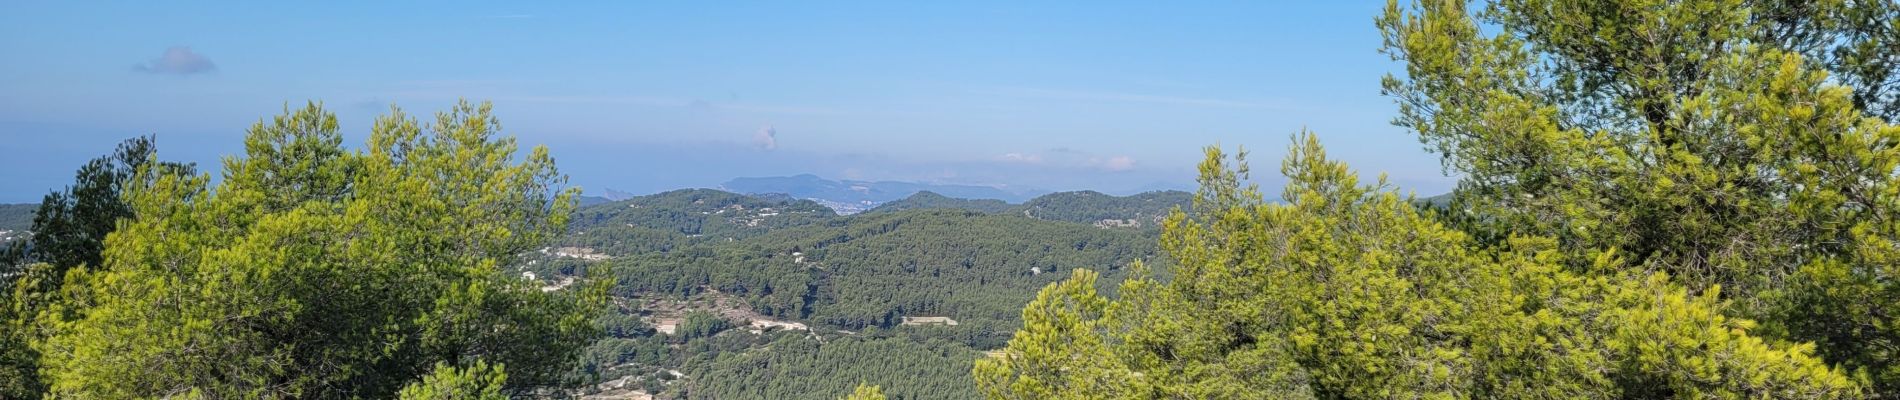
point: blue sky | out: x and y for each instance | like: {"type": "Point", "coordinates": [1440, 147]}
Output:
{"type": "Point", "coordinates": [649, 96]}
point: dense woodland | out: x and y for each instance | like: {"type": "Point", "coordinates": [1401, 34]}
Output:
{"type": "Point", "coordinates": [795, 367]}
{"type": "Point", "coordinates": [1083, 206]}
{"type": "Point", "coordinates": [930, 200]}
{"type": "Point", "coordinates": [871, 270]}
{"type": "Point", "coordinates": [16, 217]}
{"type": "Point", "coordinates": [16, 220]}
{"type": "Point", "coordinates": [1090, 207]}
{"type": "Point", "coordinates": [852, 279]}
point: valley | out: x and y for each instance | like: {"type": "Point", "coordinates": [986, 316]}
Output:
{"type": "Point", "coordinates": [720, 295]}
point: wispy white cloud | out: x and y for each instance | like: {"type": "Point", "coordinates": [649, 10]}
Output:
{"type": "Point", "coordinates": [1063, 157]}
{"type": "Point", "coordinates": [766, 138]}
{"type": "Point", "coordinates": [1028, 158]}
{"type": "Point", "coordinates": [1118, 164]}
{"type": "Point", "coordinates": [178, 60]}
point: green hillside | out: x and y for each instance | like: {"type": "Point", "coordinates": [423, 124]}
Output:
{"type": "Point", "coordinates": [851, 281]}
{"type": "Point", "coordinates": [1087, 207]}
{"type": "Point", "coordinates": [1145, 209]}
{"type": "Point", "coordinates": [17, 217]}
{"type": "Point", "coordinates": [16, 220]}
{"type": "Point", "coordinates": [932, 200]}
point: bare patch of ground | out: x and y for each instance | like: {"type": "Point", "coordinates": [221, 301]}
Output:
{"type": "Point", "coordinates": [617, 390]}
{"type": "Point", "coordinates": [583, 253]}
{"type": "Point", "coordinates": [929, 321]}
{"type": "Point", "coordinates": [665, 314]}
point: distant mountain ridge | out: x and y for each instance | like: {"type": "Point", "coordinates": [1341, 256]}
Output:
{"type": "Point", "coordinates": [17, 216]}
{"type": "Point", "coordinates": [847, 196]}
{"type": "Point", "coordinates": [15, 220]}
{"type": "Point", "coordinates": [1144, 209]}
{"type": "Point", "coordinates": [1088, 207]}
{"type": "Point", "coordinates": [929, 200]}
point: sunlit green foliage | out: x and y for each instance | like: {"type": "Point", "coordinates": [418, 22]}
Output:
{"type": "Point", "coordinates": [68, 230]}
{"type": "Point", "coordinates": [1745, 145]}
{"type": "Point", "coordinates": [480, 381]}
{"type": "Point", "coordinates": [1347, 291]}
{"type": "Point", "coordinates": [311, 271]}
{"type": "Point", "coordinates": [866, 392]}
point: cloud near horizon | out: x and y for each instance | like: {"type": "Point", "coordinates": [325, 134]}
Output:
{"type": "Point", "coordinates": [766, 139]}
{"type": "Point", "coordinates": [1029, 158]}
{"type": "Point", "coordinates": [178, 60]}
{"type": "Point", "coordinates": [1118, 164]}
{"type": "Point", "coordinates": [652, 168]}
{"type": "Point", "coordinates": [1070, 158]}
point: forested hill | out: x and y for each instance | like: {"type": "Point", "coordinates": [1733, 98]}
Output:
{"type": "Point", "coordinates": [767, 296]}
{"type": "Point", "coordinates": [591, 200]}
{"type": "Point", "coordinates": [1144, 209]}
{"type": "Point", "coordinates": [664, 221]}
{"type": "Point", "coordinates": [929, 200]}
{"type": "Point", "coordinates": [17, 216]}
{"type": "Point", "coordinates": [15, 219]}
{"type": "Point", "coordinates": [860, 192]}
{"type": "Point", "coordinates": [872, 270]}
{"type": "Point", "coordinates": [1088, 207]}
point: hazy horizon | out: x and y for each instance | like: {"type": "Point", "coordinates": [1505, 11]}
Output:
{"type": "Point", "coordinates": [643, 98]}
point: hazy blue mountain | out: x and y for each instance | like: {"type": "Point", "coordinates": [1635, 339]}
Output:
{"type": "Point", "coordinates": [591, 200]}
{"type": "Point", "coordinates": [615, 195]}
{"type": "Point", "coordinates": [1439, 201]}
{"type": "Point", "coordinates": [1166, 186]}
{"type": "Point", "coordinates": [867, 193]}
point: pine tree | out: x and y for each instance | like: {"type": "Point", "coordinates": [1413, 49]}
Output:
{"type": "Point", "coordinates": [312, 271]}
{"type": "Point", "coordinates": [1734, 144]}
{"type": "Point", "coordinates": [69, 230]}
{"type": "Point", "coordinates": [480, 381]}
{"type": "Point", "coordinates": [866, 392]}
{"type": "Point", "coordinates": [1349, 291]}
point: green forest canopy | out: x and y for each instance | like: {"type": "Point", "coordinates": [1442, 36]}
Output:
{"type": "Point", "coordinates": [308, 270]}
{"type": "Point", "coordinates": [16, 217]}
{"type": "Point", "coordinates": [851, 279]}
